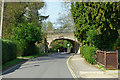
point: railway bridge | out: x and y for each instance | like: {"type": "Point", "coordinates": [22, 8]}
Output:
{"type": "Point", "coordinates": [69, 36]}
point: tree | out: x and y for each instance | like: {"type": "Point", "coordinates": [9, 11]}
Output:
{"type": "Point", "coordinates": [32, 11]}
{"type": "Point", "coordinates": [65, 20]}
{"type": "Point", "coordinates": [47, 26]}
{"type": "Point", "coordinates": [28, 35]}
{"type": "Point", "coordinates": [104, 17]}
{"type": "Point", "coordinates": [13, 13]}
{"type": "Point", "coordinates": [33, 14]}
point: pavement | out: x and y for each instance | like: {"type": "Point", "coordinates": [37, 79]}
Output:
{"type": "Point", "coordinates": [52, 66]}
{"type": "Point", "coordinates": [82, 69]}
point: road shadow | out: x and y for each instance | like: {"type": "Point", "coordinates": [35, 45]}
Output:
{"type": "Point", "coordinates": [51, 57]}
{"type": "Point", "coordinates": [12, 68]}
{"type": "Point", "coordinates": [35, 62]}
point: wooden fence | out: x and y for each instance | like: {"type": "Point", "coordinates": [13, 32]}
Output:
{"type": "Point", "coordinates": [109, 60]}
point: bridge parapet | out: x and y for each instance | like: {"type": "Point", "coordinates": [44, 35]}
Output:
{"type": "Point", "coordinates": [66, 36]}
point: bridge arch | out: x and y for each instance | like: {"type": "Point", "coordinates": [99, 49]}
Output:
{"type": "Point", "coordinates": [75, 45]}
{"type": "Point", "coordinates": [69, 36]}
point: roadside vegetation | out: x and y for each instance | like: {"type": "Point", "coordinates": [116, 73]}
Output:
{"type": "Point", "coordinates": [96, 27]}
{"type": "Point", "coordinates": [22, 31]}
{"type": "Point", "coordinates": [11, 62]}
{"type": "Point", "coordinates": [9, 51]}
{"type": "Point", "coordinates": [89, 53]}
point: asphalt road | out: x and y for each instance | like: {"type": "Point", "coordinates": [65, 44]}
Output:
{"type": "Point", "coordinates": [53, 66]}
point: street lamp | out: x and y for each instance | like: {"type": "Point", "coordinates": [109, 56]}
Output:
{"type": "Point", "coordinates": [68, 46]}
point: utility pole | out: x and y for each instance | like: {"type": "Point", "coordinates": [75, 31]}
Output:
{"type": "Point", "coordinates": [2, 9]}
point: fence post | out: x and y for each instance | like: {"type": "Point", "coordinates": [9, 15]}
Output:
{"type": "Point", "coordinates": [105, 59]}
{"type": "Point", "coordinates": [97, 56]}
{"type": "Point", "coordinates": [117, 58]}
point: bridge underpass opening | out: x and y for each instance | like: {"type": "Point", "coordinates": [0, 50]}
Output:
{"type": "Point", "coordinates": [64, 45]}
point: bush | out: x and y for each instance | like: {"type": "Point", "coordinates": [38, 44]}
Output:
{"type": "Point", "coordinates": [9, 51]}
{"type": "Point", "coordinates": [36, 50]}
{"type": "Point", "coordinates": [31, 50]}
{"type": "Point", "coordinates": [117, 44]}
{"type": "Point", "coordinates": [89, 53]}
{"type": "Point", "coordinates": [27, 35]}
{"type": "Point", "coordinates": [53, 50]}
{"type": "Point", "coordinates": [20, 48]}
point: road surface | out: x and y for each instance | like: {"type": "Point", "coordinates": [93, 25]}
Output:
{"type": "Point", "coordinates": [53, 66]}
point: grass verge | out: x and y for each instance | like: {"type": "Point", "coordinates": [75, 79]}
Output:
{"type": "Point", "coordinates": [36, 55]}
{"type": "Point", "coordinates": [10, 63]}
{"type": "Point", "coordinates": [7, 64]}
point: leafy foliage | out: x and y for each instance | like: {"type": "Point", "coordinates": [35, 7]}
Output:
{"type": "Point", "coordinates": [89, 53]}
{"type": "Point", "coordinates": [117, 44]}
{"type": "Point", "coordinates": [9, 51]}
{"type": "Point", "coordinates": [32, 13]}
{"type": "Point", "coordinates": [47, 26]}
{"type": "Point", "coordinates": [13, 13]}
{"type": "Point", "coordinates": [103, 18]}
{"type": "Point", "coordinates": [22, 22]}
{"type": "Point", "coordinates": [106, 41]}
{"type": "Point", "coordinates": [65, 22]}
{"type": "Point", "coordinates": [90, 36]}
{"type": "Point", "coordinates": [28, 35]}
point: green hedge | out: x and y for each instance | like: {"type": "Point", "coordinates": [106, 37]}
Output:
{"type": "Point", "coordinates": [89, 53]}
{"type": "Point", "coordinates": [9, 51]}
{"type": "Point", "coordinates": [31, 50]}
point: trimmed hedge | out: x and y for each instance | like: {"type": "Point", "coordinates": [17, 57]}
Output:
{"type": "Point", "coordinates": [89, 53]}
{"type": "Point", "coordinates": [9, 51]}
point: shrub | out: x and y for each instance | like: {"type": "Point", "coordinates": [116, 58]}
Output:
{"type": "Point", "coordinates": [27, 35]}
{"type": "Point", "coordinates": [53, 50]}
{"type": "Point", "coordinates": [89, 53]}
{"type": "Point", "coordinates": [20, 48]}
{"type": "Point", "coordinates": [30, 50]}
{"type": "Point", "coordinates": [117, 44]}
{"type": "Point", "coordinates": [9, 51]}
{"type": "Point", "coordinates": [36, 50]}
